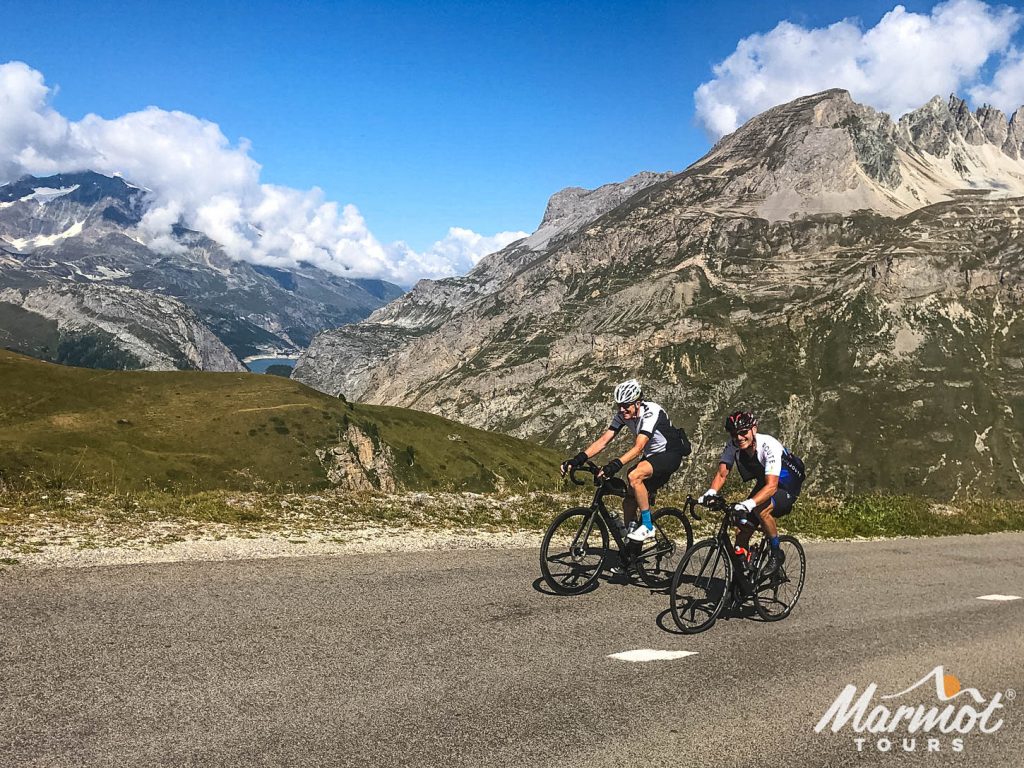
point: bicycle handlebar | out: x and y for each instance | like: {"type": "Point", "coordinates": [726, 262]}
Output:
{"type": "Point", "coordinates": [613, 485]}
{"type": "Point", "coordinates": [590, 467]}
{"type": "Point", "coordinates": [714, 504]}
{"type": "Point", "coordinates": [573, 469]}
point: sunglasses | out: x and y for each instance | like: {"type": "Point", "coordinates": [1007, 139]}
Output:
{"type": "Point", "coordinates": [741, 433]}
{"type": "Point", "coordinates": [625, 406]}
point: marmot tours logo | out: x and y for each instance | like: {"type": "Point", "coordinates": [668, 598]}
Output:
{"type": "Point", "coordinates": [911, 720]}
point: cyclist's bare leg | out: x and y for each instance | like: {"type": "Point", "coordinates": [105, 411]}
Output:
{"type": "Point", "coordinates": [630, 507]}
{"type": "Point", "coordinates": [642, 471]}
{"type": "Point", "coordinates": [764, 512]}
{"type": "Point", "coordinates": [771, 528]}
{"type": "Point", "coordinates": [743, 534]}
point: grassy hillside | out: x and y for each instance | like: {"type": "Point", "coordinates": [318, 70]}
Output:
{"type": "Point", "coordinates": [64, 427]}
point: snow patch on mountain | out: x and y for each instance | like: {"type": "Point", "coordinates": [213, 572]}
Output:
{"type": "Point", "coordinates": [46, 194]}
{"type": "Point", "coordinates": [40, 241]}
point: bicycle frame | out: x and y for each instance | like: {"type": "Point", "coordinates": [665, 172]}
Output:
{"type": "Point", "coordinates": [725, 542]}
{"type": "Point", "coordinates": [610, 487]}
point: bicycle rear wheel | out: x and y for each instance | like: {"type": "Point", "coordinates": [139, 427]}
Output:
{"type": "Point", "coordinates": [660, 557]}
{"type": "Point", "coordinates": [573, 552]}
{"type": "Point", "coordinates": [700, 586]}
{"type": "Point", "coordinates": [776, 595]}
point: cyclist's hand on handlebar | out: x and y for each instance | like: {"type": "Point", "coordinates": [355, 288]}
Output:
{"type": "Point", "coordinates": [707, 496]}
{"type": "Point", "coordinates": [576, 461]}
{"type": "Point", "coordinates": [743, 511]}
{"type": "Point", "coordinates": [611, 468]}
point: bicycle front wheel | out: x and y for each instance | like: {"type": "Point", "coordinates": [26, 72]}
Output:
{"type": "Point", "coordinates": [660, 557]}
{"type": "Point", "coordinates": [700, 586]}
{"type": "Point", "coordinates": [573, 552]}
{"type": "Point", "coordinates": [776, 594]}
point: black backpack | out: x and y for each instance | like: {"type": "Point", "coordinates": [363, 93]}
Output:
{"type": "Point", "coordinates": [684, 441]}
{"type": "Point", "coordinates": [795, 465]}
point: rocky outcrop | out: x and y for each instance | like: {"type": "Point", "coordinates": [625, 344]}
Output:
{"type": "Point", "coordinates": [826, 154]}
{"type": "Point", "coordinates": [361, 463]}
{"type": "Point", "coordinates": [994, 126]}
{"type": "Point", "coordinates": [572, 208]}
{"type": "Point", "coordinates": [967, 125]}
{"type": "Point", "coordinates": [1014, 144]}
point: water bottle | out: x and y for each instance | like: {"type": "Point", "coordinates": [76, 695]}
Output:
{"type": "Point", "coordinates": [744, 556]}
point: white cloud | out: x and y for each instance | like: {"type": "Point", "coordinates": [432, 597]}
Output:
{"type": "Point", "coordinates": [1006, 91]}
{"type": "Point", "coordinates": [459, 251]}
{"type": "Point", "coordinates": [896, 66]}
{"type": "Point", "coordinates": [198, 176]}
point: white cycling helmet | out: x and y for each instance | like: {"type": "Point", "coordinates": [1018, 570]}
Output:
{"type": "Point", "coordinates": [628, 392]}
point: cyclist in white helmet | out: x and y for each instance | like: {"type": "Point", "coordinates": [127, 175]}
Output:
{"type": "Point", "coordinates": [659, 446]}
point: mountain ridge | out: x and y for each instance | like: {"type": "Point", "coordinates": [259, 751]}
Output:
{"type": "Point", "coordinates": [686, 285]}
{"type": "Point", "coordinates": [81, 229]}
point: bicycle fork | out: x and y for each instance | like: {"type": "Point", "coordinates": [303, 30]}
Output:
{"type": "Point", "coordinates": [584, 531]}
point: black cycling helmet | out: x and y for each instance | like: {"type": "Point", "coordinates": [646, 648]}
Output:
{"type": "Point", "coordinates": [739, 421]}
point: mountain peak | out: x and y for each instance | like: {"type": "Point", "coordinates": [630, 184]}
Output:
{"type": "Point", "coordinates": [570, 208]}
{"type": "Point", "coordinates": [85, 187]}
{"type": "Point", "coordinates": [825, 153]}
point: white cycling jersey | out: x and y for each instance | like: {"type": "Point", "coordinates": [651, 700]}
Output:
{"type": "Point", "coordinates": [653, 422]}
{"type": "Point", "coordinates": [767, 449]}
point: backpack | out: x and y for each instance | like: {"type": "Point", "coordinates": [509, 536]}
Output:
{"type": "Point", "coordinates": [795, 466]}
{"type": "Point", "coordinates": [684, 441]}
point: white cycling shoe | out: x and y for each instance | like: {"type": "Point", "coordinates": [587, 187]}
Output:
{"type": "Point", "coordinates": [642, 533]}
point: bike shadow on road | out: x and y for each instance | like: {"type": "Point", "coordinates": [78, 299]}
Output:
{"type": "Point", "coordinates": [666, 623]}
{"type": "Point", "coordinates": [540, 585]}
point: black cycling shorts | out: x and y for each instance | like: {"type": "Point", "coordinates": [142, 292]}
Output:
{"type": "Point", "coordinates": [782, 501]}
{"type": "Point", "coordinates": [664, 464]}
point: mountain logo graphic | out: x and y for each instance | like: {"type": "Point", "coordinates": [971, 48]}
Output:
{"type": "Point", "coordinates": [955, 709]}
{"type": "Point", "coordinates": [947, 687]}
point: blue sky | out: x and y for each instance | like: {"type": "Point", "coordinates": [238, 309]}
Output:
{"type": "Point", "coordinates": [424, 116]}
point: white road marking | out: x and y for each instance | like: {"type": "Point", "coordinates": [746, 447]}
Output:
{"type": "Point", "coordinates": [649, 654]}
{"type": "Point", "coordinates": [1000, 597]}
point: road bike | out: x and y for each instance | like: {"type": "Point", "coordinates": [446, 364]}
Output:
{"type": "Point", "coordinates": [575, 550]}
{"type": "Point", "coordinates": [711, 576]}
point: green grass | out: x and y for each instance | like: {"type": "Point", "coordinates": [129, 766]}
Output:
{"type": "Point", "coordinates": [64, 427]}
{"type": "Point", "coordinates": [879, 515]}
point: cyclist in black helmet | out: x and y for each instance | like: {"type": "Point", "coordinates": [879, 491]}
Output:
{"type": "Point", "coordinates": [778, 472]}
{"type": "Point", "coordinates": [659, 446]}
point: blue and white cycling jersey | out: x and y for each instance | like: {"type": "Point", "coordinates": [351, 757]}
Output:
{"type": "Point", "coordinates": [770, 457]}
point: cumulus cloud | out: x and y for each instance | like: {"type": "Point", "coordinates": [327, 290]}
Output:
{"type": "Point", "coordinates": [1006, 91]}
{"type": "Point", "coordinates": [895, 66]}
{"type": "Point", "coordinates": [198, 176]}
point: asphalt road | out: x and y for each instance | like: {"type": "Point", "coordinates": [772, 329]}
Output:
{"type": "Point", "coordinates": [456, 659]}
